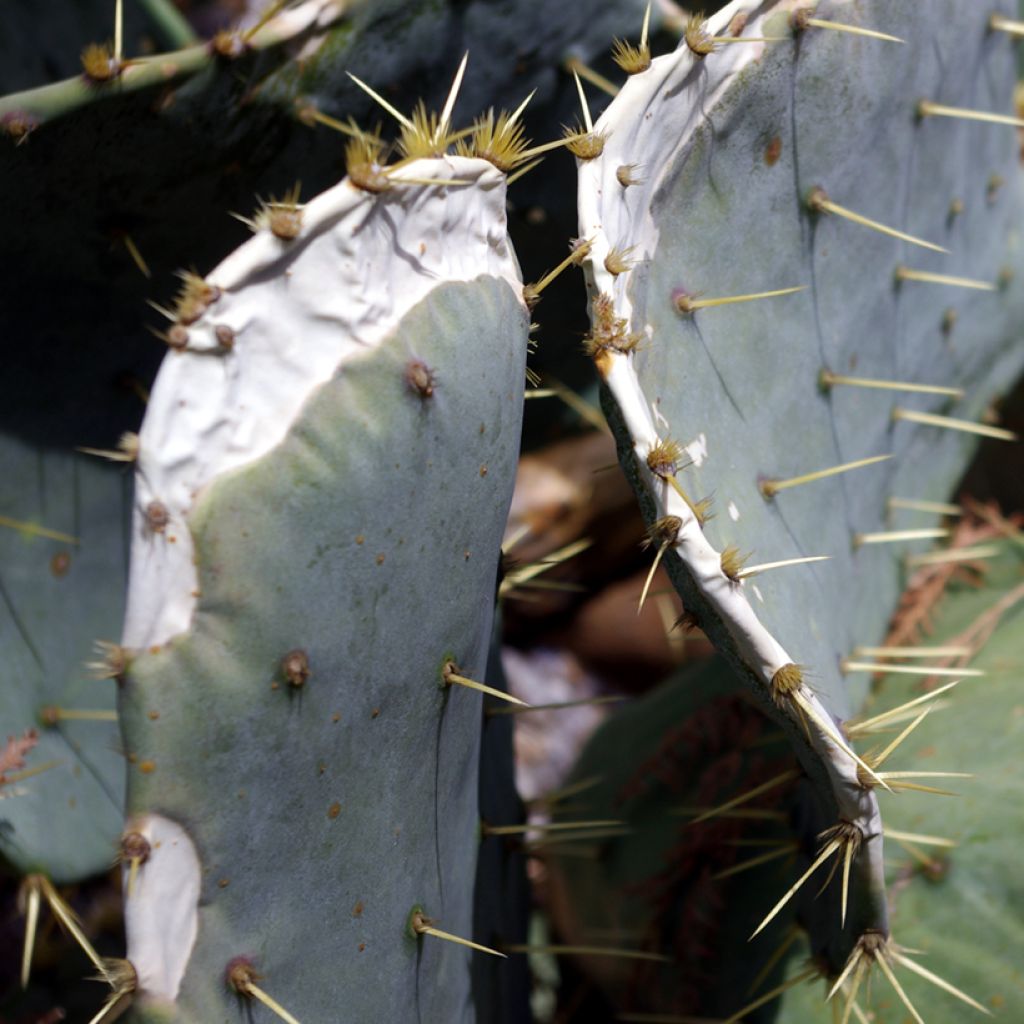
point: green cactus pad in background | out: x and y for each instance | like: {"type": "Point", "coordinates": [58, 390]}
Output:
{"type": "Point", "coordinates": [343, 469]}
{"type": "Point", "coordinates": [961, 906]}
{"type": "Point", "coordinates": [720, 171]}
{"type": "Point", "coordinates": [689, 746]}
{"type": "Point", "coordinates": [63, 565]}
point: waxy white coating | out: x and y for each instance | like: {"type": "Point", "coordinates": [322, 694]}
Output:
{"type": "Point", "coordinates": [161, 906]}
{"type": "Point", "coordinates": [361, 263]}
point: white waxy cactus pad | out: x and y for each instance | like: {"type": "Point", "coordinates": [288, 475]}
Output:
{"type": "Point", "coordinates": [296, 312]}
{"type": "Point", "coordinates": [325, 474]}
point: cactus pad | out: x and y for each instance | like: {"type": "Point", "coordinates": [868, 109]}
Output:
{"type": "Point", "coordinates": [62, 581]}
{"type": "Point", "coordinates": [716, 170]}
{"type": "Point", "coordinates": [331, 491]}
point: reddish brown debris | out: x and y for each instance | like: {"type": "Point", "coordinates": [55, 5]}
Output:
{"type": "Point", "coordinates": [12, 756]}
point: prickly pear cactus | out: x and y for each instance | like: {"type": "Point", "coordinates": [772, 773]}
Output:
{"type": "Point", "coordinates": [63, 520]}
{"type": "Point", "coordinates": [324, 474]}
{"type": "Point", "coordinates": [730, 169]}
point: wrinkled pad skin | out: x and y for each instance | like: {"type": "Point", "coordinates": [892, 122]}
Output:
{"type": "Point", "coordinates": [368, 538]}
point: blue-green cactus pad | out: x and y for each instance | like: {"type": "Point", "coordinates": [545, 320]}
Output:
{"type": "Point", "coordinates": [369, 539]}
{"type": "Point", "coordinates": [56, 600]}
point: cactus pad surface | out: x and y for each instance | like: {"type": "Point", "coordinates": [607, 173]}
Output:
{"type": "Point", "coordinates": [711, 177]}
{"type": "Point", "coordinates": [337, 481]}
{"type": "Point", "coordinates": [62, 575]}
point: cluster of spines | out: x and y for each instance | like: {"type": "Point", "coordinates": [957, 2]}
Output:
{"type": "Point", "coordinates": [499, 139]}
